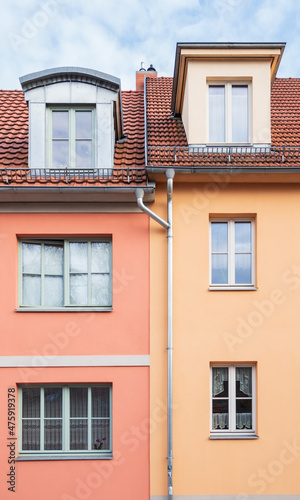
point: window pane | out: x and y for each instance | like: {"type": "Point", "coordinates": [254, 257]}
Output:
{"type": "Point", "coordinates": [30, 434]}
{"type": "Point", "coordinates": [31, 407]}
{"type": "Point", "coordinates": [79, 289]}
{"type": "Point", "coordinates": [220, 414]}
{"type": "Point", "coordinates": [54, 259]}
{"type": "Point", "coordinates": [31, 290]}
{"type": "Point", "coordinates": [54, 291]}
{"type": "Point", "coordinates": [100, 258]}
{"type": "Point", "coordinates": [53, 402]}
{"type": "Point", "coordinates": [220, 382]}
{"type": "Point", "coordinates": [83, 154]}
{"type": "Point", "coordinates": [242, 236]}
{"type": "Point", "coordinates": [31, 403]}
{"type": "Point", "coordinates": [78, 401]}
{"type": "Point", "coordinates": [243, 381]}
{"type": "Point", "coordinates": [100, 434]}
{"type": "Point", "coordinates": [219, 236]}
{"type": "Point", "coordinates": [244, 413]}
{"type": "Point", "coordinates": [78, 434]}
{"type": "Point", "coordinates": [217, 113]}
{"type": "Point", "coordinates": [60, 124]}
{"type": "Point", "coordinates": [78, 257]}
{"type": "Point", "coordinates": [240, 113]}
{"type": "Point", "coordinates": [53, 434]}
{"type": "Point", "coordinates": [60, 154]}
{"type": "Point", "coordinates": [83, 124]}
{"type": "Point", "coordinates": [100, 402]}
{"type": "Point", "coordinates": [31, 258]}
{"type": "Point", "coordinates": [219, 273]}
{"type": "Point", "coordinates": [100, 290]}
{"type": "Point", "coordinates": [243, 268]}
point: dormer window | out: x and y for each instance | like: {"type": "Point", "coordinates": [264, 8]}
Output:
{"type": "Point", "coordinates": [221, 91]}
{"type": "Point", "coordinates": [72, 143]}
{"type": "Point", "coordinates": [75, 118]}
{"type": "Point", "coordinates": [229, 113]}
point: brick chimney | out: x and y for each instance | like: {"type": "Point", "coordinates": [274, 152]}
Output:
{"type": "Point", "coordinates": [140, 76]}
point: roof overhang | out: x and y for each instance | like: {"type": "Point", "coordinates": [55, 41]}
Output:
{"type": "Point", "coordinates": [222, 51]}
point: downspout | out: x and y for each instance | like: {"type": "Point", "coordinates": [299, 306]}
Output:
{"type": "Point", "coordinates": [169, 226]}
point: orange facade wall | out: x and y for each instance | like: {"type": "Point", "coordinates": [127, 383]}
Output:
{"type": "Point", "coordinates": [259, 326]}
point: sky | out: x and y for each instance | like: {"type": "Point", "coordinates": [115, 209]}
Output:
{"type": "Point", "coordinates": [115, 36]}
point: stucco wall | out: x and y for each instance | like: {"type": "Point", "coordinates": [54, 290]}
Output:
{"type": "Point", "coordinates": [259, 326]}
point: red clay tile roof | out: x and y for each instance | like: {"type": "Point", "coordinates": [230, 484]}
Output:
{"type": "Point", "coordinates": [167, 144]}
{"type": "Point", "coordinates": [14, 142]}
{"type": "Point", "coordinates": [285, 112]}
{"type": "Point", "coordinates": [131, 152]}
{"type": "Point", "coordinates": [162, 129]}
{"type": "Point", "coordinates": [165, 134]}
{"type": "Point", "coordinates": [13, 129]}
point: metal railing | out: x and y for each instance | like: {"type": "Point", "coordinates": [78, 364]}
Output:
{"type": "Point", "coordinates": [233, 155]}
{"type": "Point", "coordinates": [66, 176]}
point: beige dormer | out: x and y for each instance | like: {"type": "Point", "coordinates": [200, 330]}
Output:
{"type": "Point", "coordinates": [222, 92]}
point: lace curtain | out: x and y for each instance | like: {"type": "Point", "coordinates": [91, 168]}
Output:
{"type": "Point", "coordinates": [244, 377]}
{"type": "Point", "coordinates": [220, 375]}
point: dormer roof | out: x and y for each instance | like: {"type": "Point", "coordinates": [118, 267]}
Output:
{"type": "Point", "coordinates": [70, 73]}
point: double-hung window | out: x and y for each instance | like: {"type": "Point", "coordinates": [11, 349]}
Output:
{"type": "Point", "coordinates": [73, 420]}
{"type": "Point", "coordinates": [233, 400]}
{"type": "Point", "coordinates": [71, 137]}
{"type": "Point", "coordinates": [63, 274]}
{"type": "Point", "coordinates": [229, 117]}
{"type": "Point", "coordinates": [232, 253]}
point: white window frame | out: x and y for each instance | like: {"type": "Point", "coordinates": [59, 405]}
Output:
{"type": "Point", "coordinates": [66, 275]}
{"type": "Point", "coordinates": [72, 138]}
{"type": "Point", "coordinates": [66, 452]}
{"type": "Point", "coordinates": [231, 255]}
{"type": "Point", "coordinates": [232, 432]}
{"type": "Point", "coordinates": [228, 109]}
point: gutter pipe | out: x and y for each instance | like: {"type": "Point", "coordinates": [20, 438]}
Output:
{"type": "Point", "coordinates": [169, 226]}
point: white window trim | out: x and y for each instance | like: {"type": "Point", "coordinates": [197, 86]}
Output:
{"type": "Point", "coordinates": [71, 110]}
{"type": "Point", "coordinates": [233, 433]}
{"type": "Point", "coordinates": [228, 111]}
{"type": "Point", "coordinates": [65, 453]}
{"type": "Point", "coordinates": [231, 255]}
{"type": "Point", "coordinates": [66, 275]}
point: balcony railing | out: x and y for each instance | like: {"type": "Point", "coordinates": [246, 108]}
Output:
{"type": "Point", "coordinates": [125, 176]}
{"type": "Point", "coordinates": [223, 155]}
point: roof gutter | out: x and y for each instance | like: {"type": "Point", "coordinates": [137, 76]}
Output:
{"type": "Point", "coordinates": [60, 189]}
{"type": "Point", "coordinates": [222, 170]}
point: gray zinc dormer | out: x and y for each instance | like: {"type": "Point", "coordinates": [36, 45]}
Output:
{"type": "Point", "coordinates": [70, 87]}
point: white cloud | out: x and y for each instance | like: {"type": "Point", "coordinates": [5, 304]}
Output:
{"type": "Point", "coordinates": [115, 36]}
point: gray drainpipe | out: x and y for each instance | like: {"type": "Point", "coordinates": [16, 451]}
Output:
{"type": "Point", "coordinates": [169, 226]}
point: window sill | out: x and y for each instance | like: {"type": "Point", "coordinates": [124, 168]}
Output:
{"type": "Point", "coordinates": [65, 309]}
{"type": "Point", "coordinates": [65, 456]}
{"type": "Point", "coordinates": [232, 288]}
{"type": "Point", "coordinates": [233, 436]}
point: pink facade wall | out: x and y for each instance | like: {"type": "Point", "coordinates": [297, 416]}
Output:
{"type": "Point", "coordinates": [40, 335]}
